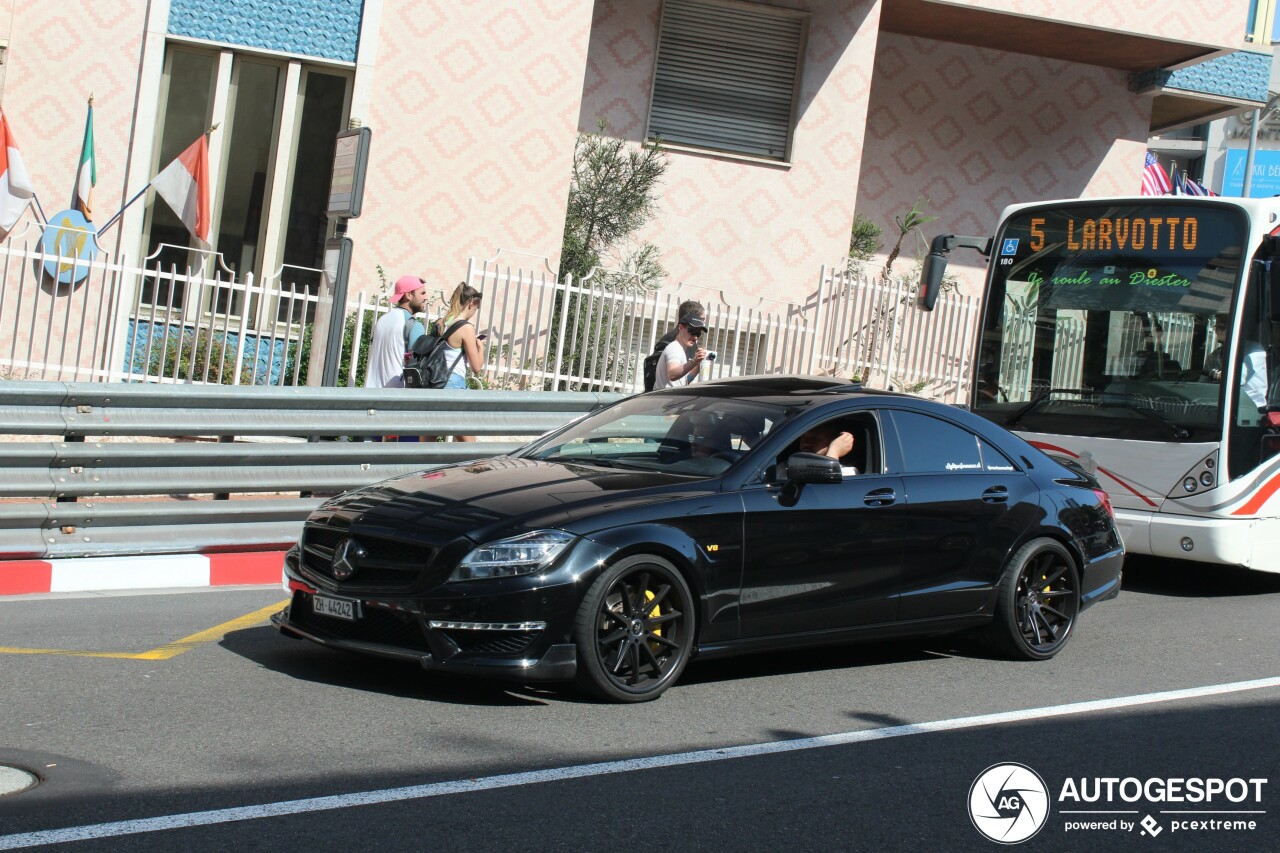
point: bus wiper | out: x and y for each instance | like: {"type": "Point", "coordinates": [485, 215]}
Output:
{"type": "Point", "coordinates": [1110, 399]}
{"type": "Point", "coordinates": [1036, 402]}
{"type": "Point", "coordinates": [1180, 433]}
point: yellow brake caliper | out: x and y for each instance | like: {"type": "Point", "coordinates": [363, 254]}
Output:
{"type": "Point", "coordinates": [651, 612]}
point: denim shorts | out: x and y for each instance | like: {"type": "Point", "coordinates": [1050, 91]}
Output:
{"type": "Point", "coordinates": [457, 382]}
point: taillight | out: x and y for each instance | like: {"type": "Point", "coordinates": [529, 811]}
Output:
{"type": "Point", "coordinates": [1106, 502]}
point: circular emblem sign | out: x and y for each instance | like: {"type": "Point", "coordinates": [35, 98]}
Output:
{"type": "Point", "coordinates": [69, 246]}
{"type": "Point", "coordinates": [1008, 803]}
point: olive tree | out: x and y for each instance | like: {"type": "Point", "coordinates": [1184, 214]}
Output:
{"type": "Point", "coordinates": [612, 195]}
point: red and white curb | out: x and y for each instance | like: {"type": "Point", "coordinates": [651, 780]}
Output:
{"type": "Point", "coordinates": [161, 571]}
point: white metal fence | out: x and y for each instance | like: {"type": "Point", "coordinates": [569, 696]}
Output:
{"type": "Point", "coordinates": [157, 321]}
{"type": "Point", "coordinates": [593, 334]}
{"type": "Point", "coordinates": [184, 317]}
{"type": "Point", "coordinates": [872, 328]}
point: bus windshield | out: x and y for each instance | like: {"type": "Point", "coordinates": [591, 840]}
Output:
{"type": "Point", "coordinates": [1111, 319]}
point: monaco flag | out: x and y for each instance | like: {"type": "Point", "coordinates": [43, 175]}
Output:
{"type": "Point", "coordinates": [184, 184]}
{"type": "Point", "coordinates": [16, 190]}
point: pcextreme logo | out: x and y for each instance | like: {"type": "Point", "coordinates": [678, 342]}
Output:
{"type": "Point", "coordinates": [1008, 803]}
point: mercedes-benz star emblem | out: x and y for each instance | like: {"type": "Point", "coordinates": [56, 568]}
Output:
{"type": "Point", "coordinates": [346, 558]}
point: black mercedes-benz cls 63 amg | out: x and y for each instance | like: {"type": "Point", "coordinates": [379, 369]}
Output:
{"type": "Point", "coordinates": [714, 519]}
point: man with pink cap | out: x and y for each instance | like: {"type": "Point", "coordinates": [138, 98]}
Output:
{"type": "Point", "coordinates": [394, 334]}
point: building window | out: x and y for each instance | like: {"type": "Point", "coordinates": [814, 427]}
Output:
{"type": "Point", "coordinates": [278, 122]}
{"type": "Point", "coordinates": [727, 76]}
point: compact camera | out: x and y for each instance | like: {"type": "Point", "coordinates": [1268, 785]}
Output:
{"type": "Point", "coordinates": [711, 355]}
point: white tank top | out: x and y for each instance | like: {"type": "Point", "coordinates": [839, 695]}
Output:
{"type": "Point", "coordinates": [454, 356]}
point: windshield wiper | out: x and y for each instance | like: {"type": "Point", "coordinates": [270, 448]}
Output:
{"type": "Point", "coordinates": [1180, 433]}
{"type": "Point", "coordinates": [1036, 402]}
{"type": "Point", "coordinates": [599, 461]}
{"type": "Point", "coordinates": [1107, 399]}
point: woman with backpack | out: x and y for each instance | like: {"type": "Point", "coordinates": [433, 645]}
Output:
{"type": "Point", "coordinates": [462, 346]}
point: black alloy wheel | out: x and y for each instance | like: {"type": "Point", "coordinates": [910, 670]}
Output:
{"type": "Point", "coordinates": [634, 630]}
{"type": "Point", "coordinates": [1038, 601]}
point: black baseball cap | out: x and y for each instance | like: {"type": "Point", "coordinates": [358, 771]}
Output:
{"type": "Point", "coordinates": [692, 321]}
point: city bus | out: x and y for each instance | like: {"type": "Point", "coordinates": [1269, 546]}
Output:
{"type": "Point", "coordinates": [1139, 337]}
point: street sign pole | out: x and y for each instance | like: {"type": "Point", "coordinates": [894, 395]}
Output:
{"type": "Point", "coordinates": [346, 195]}
{"type": "Point", "coordinates": [337, 265]}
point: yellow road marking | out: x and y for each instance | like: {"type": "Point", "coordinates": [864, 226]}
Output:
{"type": "Point", "coordinates": [169, 650]}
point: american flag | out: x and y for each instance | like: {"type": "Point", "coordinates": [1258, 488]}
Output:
{"type": "Point", "coordinates": [1190, 187]}
{"type": "Point", "coordinates": [1154, 179]}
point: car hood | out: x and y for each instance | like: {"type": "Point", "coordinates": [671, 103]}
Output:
{"type": "Point", "coordinates": [494, 496]}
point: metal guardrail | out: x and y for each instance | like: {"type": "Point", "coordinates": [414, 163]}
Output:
{"type": "Point", "coordinates": [55, 488]}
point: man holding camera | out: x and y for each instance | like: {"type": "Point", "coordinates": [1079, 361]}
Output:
{"type": "Point", "coordinates": [676, 367]}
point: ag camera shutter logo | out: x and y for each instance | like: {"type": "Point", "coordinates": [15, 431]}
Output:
{"type": "Point", "coordinates": [1008, 803]}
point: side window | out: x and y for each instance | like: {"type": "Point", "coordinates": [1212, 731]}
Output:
{"type": "Point", "coordinates": [933, 446]}
{"type": "Point", "coordinates": [863, 458]}
{"type": "Point", "coordinates": [994, 460]}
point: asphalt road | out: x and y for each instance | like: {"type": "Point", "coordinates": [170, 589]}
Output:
{"type": "Point", "coordinates": [225, 740]}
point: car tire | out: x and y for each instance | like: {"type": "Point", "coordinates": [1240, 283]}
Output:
{"type": "Point", "coordinates": [1037, 602]}
{"type": "Point", "coordinates": [634, 630]}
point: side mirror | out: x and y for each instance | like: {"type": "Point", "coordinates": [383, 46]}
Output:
{"type": "Point", "coordinates": [931, 273]}
{"type": "Point", "coordinates": [935, 263]}
{"type": "Point", "coordinates": [813, 468]}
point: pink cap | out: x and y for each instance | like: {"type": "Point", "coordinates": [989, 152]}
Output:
{"type": "Point", "coordinates": [407, 284]}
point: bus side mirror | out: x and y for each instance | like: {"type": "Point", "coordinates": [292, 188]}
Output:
{"type": "Point", "coordinates": [931, 273]}
{"type": "Point", "coordinates": [935, 263]}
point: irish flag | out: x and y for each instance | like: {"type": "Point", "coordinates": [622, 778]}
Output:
{"type": "Point", "coordinates": [16, 190]}
{"type": "Point", "coordinates": [87, 173]}
{"type": "Point", "coordinates": [184, 184]}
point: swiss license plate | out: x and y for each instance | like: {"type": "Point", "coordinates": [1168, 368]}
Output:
{"type": "Point", "coordinates": [338, 608]}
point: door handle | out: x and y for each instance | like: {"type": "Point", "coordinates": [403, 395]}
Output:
{"type": "Point", "coordinates": [879, 497]}
{"type": "Point", "coordinates": [996, 495]}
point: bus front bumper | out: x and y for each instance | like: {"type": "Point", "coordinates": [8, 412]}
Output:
{"type": "Point", "coordinates": [1250, 542]}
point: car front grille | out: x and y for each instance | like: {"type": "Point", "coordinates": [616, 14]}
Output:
{"type": "Point", "coordinates": [389, 564]}
{"type": "Point", "coordinates": [375, 625]}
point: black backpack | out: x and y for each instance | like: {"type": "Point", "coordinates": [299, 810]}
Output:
{"type": "Point", "coordinates": [649, 366]}
{"type": "Point", "coordinates": [651, 369]}
{"type": "Point", "coordinates": [425, 365]}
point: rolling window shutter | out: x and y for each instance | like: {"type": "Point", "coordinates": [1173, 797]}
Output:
{"type": "Point", "coordinates": [726, 77]}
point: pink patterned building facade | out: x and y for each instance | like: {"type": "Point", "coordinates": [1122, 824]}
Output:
{"type": "Point", "coordinates": [475, 106]}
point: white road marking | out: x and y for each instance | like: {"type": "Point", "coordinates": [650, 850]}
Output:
{"type": "Point", "coordinates": [534, 777]}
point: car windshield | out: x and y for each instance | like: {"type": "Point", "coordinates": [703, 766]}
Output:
{"type": "Point", "coordinates": [1109, 319]}
{"type": "Point", "coordinates": [676, 433]}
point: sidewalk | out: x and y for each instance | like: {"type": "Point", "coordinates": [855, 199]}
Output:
{"type": "Point", "coordinates": [89, 574]}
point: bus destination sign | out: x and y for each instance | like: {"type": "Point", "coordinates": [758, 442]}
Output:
{"type": "Point", "coordinates": [1108, 234]}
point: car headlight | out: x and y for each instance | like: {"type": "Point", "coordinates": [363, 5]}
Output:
{"type": "Point", "coordinates": [518, 555]}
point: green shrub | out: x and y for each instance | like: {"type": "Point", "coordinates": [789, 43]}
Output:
{"type": "Point", "coordinates": [303, 352]}
{"type": "Point", "coordinates": [220, 358]}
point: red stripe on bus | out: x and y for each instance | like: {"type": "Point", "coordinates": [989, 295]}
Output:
{"type": "Point", "coordinates": [1046, 446]}
{"type": "Point", "coordinates": [1260, 497]}
{"type": "Point", "coordinates": [1127, 486]}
